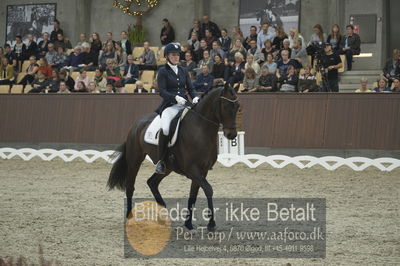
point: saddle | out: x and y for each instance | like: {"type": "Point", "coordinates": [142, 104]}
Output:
{"type": "Point", "coordinates": [152, 132]}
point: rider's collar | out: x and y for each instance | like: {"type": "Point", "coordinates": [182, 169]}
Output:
{"type": "Point", "coordinates": [174, 67]}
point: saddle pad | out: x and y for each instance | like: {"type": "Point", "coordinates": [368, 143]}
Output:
{"type": "Point", "coordinates": [152, 132]}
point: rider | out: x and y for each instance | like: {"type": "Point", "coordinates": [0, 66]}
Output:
{"type": "Point", "coordinates": [173, 82]}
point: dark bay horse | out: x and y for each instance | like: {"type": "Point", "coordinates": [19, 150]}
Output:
{"type": "Point", "coordinates": [193, 154]}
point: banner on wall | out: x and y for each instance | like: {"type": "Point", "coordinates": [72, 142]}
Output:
{"type": "Point", "coordinates": [32, 19]}
{"type": "Point", "coordinates": [278, 13]}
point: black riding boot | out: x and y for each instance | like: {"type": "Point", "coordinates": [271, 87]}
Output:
{"type": "Point", "coordinates": [162, 151]}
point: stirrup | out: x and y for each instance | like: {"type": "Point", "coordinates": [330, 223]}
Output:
{"type": "Point", "coordinates": [160, 167]}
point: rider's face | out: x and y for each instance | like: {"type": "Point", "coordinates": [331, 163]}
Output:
{"type": "Point", "coordinates": [173, 58]}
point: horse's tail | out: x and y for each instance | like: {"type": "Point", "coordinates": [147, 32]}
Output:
{"type": "Point", "coordinates": [119, 170]}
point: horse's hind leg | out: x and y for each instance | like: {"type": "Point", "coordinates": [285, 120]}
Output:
{"type": "Point", "coordinates": [153, 183]}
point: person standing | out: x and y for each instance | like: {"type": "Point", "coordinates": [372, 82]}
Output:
{"type": "Point", "coordinates": [167, 33]}
{"type": "Point", "coordinates": [57, 30]}
{"type": "Point", "coordinates": [264, 35]}
{"type": "Point", "coordinates": [331, 62]}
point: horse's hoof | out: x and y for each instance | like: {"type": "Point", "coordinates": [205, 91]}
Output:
{"type": "Point", "coordinates": [211, 228]}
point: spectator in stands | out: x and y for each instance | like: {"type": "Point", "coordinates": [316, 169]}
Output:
{"type": "Point", "coordinates": [131, 72]}
{"type": "Point", "coordinates": [92, 88]}
{"type": "Point", "coordinates": [396, 85]}
{"type": "Point", "coordinates": [307, 81]}
{"type": "Point", "coordinates": [53, 84]}
{"type": "Point", "coordinates": [237, 34]}
{"type": "Point", "coordinates": [101, 81]}
{"type": "Point", "coordinates": [194, 42]}
{"type": "Point", "coordinates": [1, 52]}
{"type": "Point", "coordinates": [264, 35]}
{"type": "Point", "coordinates": [318, 36]}
{"type": "Point", "coordinates": [392, 67]}
{"type": "Point", "coordinates": [81, 87]}
{"type": "Point", "coordinates": [251, 81]}
{"type": "Point", "coordinates": [140, 87]}
{"type": "Point", "coordinates": [167, 33]}
{"type": "Point", "coordinates": [57, 30]}
{"type": "Point", "coordinates": [121, 55]}
{"type": "Point", "coordinates": [112, 71]}
{"type": "Point", "coordinates": [234, 71]}
{"type": "Point", "coordinates": [89, 58]}
{"type": "Point", "coordinates": [204, 81]}
{"type": "Point", "coordinates": [110, 87]}
{"type": "Point", "coordinates": [109, 39]}
{"type": "Point", "coordinates": [335, 39]}
{"type": "Point", "coordinates": [125, 43]}
{"type": "Point", "coordinates": [20, 49]}
{"type": "Point", "coordinates": [63, 88]}
{"type": "Point", "coordinates": [209, 38]}
{"type": "Point", "coordinates": [62, 42]}
{"type": "Point", "coordinates": [64, 77]}
{"type": "Point", "coordinates": [267, 81]}
{"type": "Point", "coordinates": [284, 64]}
{"type": "Point", "coordinates": [270, 64]}
{"type": "Point", "coordinates": [11, 56]}
{"type": "Point", "coordinates": [75, 59]}
{"type": "Point", "coordinates": [60, 59]}
{"type": "Point", "coordinates": [364, 84]}
{"type": "Point", "coordinates": [218, 70]}
{"type": "Point", "coordinates": [268, 49]}
{"type": "Point", "coordinates": [299, 54]}
{"type": "Point", "coordinates": [199, 54]}
{"type": "Point", "coordinates": [51, 55]}
{"type": "Point", "coordinates": [148, 59]}
{"type": "Point", "coordinates": [6, 72]}
{"type": "Point", "coordinates": [40, 83]}
{"type": "Point", "coordinates": [207, 24]}
{"type": "Point", "coordinates": [289, 80]}
{"type": "Point", "coordinates": [331, 63]}
{"type": "Point", "coordinates": [351, 45]}
{"type": "Point", "coordinates": [255, 51]}
{"type": "Point", "coordinates": [382, 85]}
{"type": "Point", "coordinates": [286, 44]}
{"type": "Point", "coordinates": [81, 78]}
{"type": "Point", "coordinates": [45, 68]}
{"type": "Point", "coordinates": [206, 61]}
{"type": "Point", "coordinates": [43, 44]}
{"type": "Point", "coordinates": [196, 29]}
{"type": "Point", "coordinates": [95, 45]}
{"type": "Point", "coordinates": [107, 53]}
{"type": "Point", "coordinates": [189, 63]}
{"type": "Point", "coordinates": [216, 49]}
{"type": "Point", "coordinates": [252, 37]}
{"type": "Point", "coordinates": [281, 35]}
{"type": "Point", "coordinates": [184, 48]}
{"type": "Point", "coordinates": [252, 64]}
{"type": "Point", "coordinates": [225, 40]}
{"type": "Point", "coordinates": [30, 72]}
{"type": "Point", "coordinates": [295, 35]}
{"type": "Point", "coordinates": [82, 39]}
{"type": "Point", "coordinates": [237, 47]}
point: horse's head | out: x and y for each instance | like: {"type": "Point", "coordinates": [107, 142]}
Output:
{"type": "Point", "coordinates": [229, 105]}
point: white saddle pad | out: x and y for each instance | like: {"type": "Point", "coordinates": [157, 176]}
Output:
{"type": "Point", "coordinates": [152, 132]}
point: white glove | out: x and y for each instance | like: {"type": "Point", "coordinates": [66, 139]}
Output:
{"type": "Point", "coordinates": [195, 100]}
{"type": "Point", "coordinates": [180, 100]}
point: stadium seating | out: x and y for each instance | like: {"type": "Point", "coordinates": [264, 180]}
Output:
{"type": "Point", "coordinates": [15, 89]}
{"type": "Point", "coordinates": [147, 77]}
{"type": "Point", "coordinates": [130, 87]}
{"type": "Point", "coordinates": [27, 88]}
{"type": "Point", "coordinates": [4, 89]}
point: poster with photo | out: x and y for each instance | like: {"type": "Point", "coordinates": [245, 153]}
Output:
{"type": "Point", "coordinates": [29, 19]}
{"type": "Point", "coordinates": [278, 13]}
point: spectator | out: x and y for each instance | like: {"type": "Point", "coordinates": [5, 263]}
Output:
{"type": "Point", "coordinates": [196, 29]}
{"type": "Point", "coordinates": [206, 61]}
{"type": "Point", "coordinates": [251, 37]}
{"type": "Point", "coordinates": [189, 63]}
{"type": "Point", "coordinates": [267, 81]}
{"type": "Point", "coordinates": [51, 55]}
{"type": "Point", "coordinates": [335, 39]}
{"type": "Point", "coordinates": [20, 49]}
{"type": "Point", "coordinates": [299, 54]}
{"type": "Point", "coordinates": [270, 64]}
{"type": "Point", "coordinates": [237, 47]}
{"type": "Point", "coordinates": [237, 34]}
{"type": "Point", "coordinates": [225, 40]}
{"type": "Point", "coordinates": [392, 67]}
{"type": "Point", "coordinates": [109, 39]}
{"type": "Point", "coordinates": [121, 55]}
{"type": "Point", "coordinates": [284, 64]}
{"type": "Point", "coordinates": [64, 77]}
{"type": "Point", "coordinates": [125, 43]}
{"type": "Point", "coordinates": [167, 33]}
{"type": "Point", "coordinates": [194, 42]}
{"type": "Point", "coordinates": [62, 42]}
{"type": "Point", "coordinates": [148, 59]}
{"type": "Point", "coordinates": [89, 58]}
{"type": "Point", "coordinates": [30, 72]}
{"type": "Point", "coordinates": [318, 36]}
{"type": "Point", "coordinates": [351, 45]}
{"type": "Point", "coordinates": [268, 49]}
{"type": "Point", "coordinates": [110, 87]}
{"type": "Point", "coordinates": [53, 83]}
{"type": "Point", "coordinates": [396, 85]}
{"type": "Point", "coordinates": [63, 88]}
{"type": "Point", "coordinates": [45, 68]}
{"type": "Point", "coordinates": [207, 24]}
{"type": "Point", "coordinates": [6, 72]}
{"type": "Point", "coordinates": [43, 44]}
{"type": "Point", "coordinates": [82, 39]}
{"type": "Point", "coordinates": [264, 35]}
{"type": "Point", "coordinates": [382, 85]}
{"type": "Point", "coordinates": [75, 59]}
{"type": "Point", "coordinates": [209, 38]}
{"type": "Point", "coordinates": [295, 35]}
{"type": "Point", "coordinates": [184, 48]}
{"type": "Point", "coordinates": [81, 78]}
{"type": "Point", "coordinates": [60, 59]}
{"type": "Point", "coordinates": [204, 81]}
{"type": "Point", "coordinates": [234, 71]}
{"type": "Point", "coordinates": [40, 83]}
{"type": "Point", "coordinates": [131, 72]}
{"type": "Point", "coordinates": [255, 51]}
{"type": "Point", "coordinates": [57, 30]}
{"type": "Point", "coordinates": [331, 63]}
{"type": "Point", "coordinates": [218, 70]}
{"type": "Point", "coordinates": [200, 52]}
{"type": "Point", "coordinates": [11, 56]}
{"type": "Point", "coordinates": [92, 88]}
{"type": "Point", "coordinates": [252, 64]}
{"type": "Point", "coordinates": [107, 53]}
{"type": "Point", "coordinates": [364, 84]}
{"type": "Point", "coordinates": [281, 35]}
{"type": "Point", "coordinates": [251, 81]}
{"type": "Point", "coordinates": [286, 44]}
{"type": "Point", "coordinates": [140, 87]}
{"type": "Point", "coordinates": [112, 71]}
{"type": "Point", "coordinates": [216, 49]}
{"type": "Point", "coordinates": [95, 45]}
{"type": "Point", "coordinates": [80, 87]}
{"type": "Point", "coordinates": [289, 80]}
{"type": "Point", "coordinates": [100, 80]}
{"type": "Point", "coordinates": [307, 81]}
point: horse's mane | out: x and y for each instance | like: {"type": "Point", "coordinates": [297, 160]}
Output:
{"type": "Point", "coordinates": [210, 93]}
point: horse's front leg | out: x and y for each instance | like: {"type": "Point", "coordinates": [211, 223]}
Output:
{"type": "Point", "coordinates": [194, 189]}
{"type": "Point", "coordinates": [209, 194]}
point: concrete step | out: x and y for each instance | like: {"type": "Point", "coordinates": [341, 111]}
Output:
{"type": "Point", "coordinates": [377, 72]}
{"type": "Point", "coordinates": [351, 87]}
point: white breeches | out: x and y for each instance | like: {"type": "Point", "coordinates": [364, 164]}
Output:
{"type": "Point", "coordinates": [167, 115]}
